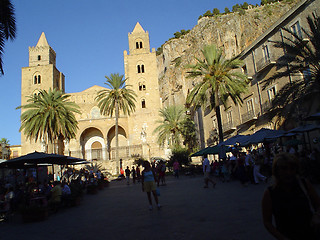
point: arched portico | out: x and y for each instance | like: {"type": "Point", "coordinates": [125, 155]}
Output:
{"type": "Point", "coordinates": [93, 144]}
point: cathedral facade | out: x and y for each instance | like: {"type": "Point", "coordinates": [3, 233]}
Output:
{"type": "Point", "coordinates": [95, 138]}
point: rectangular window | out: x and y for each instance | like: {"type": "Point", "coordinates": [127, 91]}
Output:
{"type": "Point", "coordinates": [296, 29]}
{"type": "Point", "coordinates": [266, 54]}
{"type": "Point", "coordinates": [250, 106]}
{"type": "Point", "coordinates": [229, 117]}
{"type": "Point", "coordinates": [39, 57]}
{"type": "Point", "coordinates": [271, 93]}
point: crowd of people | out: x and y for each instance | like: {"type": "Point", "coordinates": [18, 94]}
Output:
{"type": "Point", "coordinates": [22, 189]}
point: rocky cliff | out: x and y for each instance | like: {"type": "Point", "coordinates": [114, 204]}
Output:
{"type": "Point", "coordinates": [233, 32]}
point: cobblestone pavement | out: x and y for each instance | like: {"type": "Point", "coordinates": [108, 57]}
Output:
{"type": "Point", "coordinates": [227, 212]}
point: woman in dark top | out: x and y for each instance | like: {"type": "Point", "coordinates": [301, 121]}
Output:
{"type": "Point", "coordinates": [287, 202]}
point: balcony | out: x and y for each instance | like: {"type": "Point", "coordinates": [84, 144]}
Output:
{"type": "Point", "coordinates": [229, 126]}
{"type": "Point", "coordinates": [265, 63]}
{"type": "Point", "coordinates": [248, 116]}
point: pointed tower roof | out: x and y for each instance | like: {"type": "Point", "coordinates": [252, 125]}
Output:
{"type": "Point", "coordinates": [43, 41]}
{"type": "Point", "coordinates": [138, 28]}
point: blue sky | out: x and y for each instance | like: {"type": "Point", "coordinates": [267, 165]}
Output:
{"type": "Point", "coordinates": [89, 38]}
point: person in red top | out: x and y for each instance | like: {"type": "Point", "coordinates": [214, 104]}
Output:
{"type": "Point", "coordinates": [176, 167]}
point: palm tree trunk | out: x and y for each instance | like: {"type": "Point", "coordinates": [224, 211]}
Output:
{"type": "Point", "coordinates": [218, 113]}
{"type": "Point", "coordinates": [117, 138]}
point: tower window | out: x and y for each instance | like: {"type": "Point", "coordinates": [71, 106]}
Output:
{"type": "Point", "coordinates": [39, 57]}
{"type": "Point", "coordinates": [142, 87]}
{"type": "Point", "coordinates": [142, 68]}
{"type": "Point", "coordinates": [139, 69]}
{"type": "Point", "coordinates": [37, 79]}
{"type": "Point", "coordinates": [143, 103]}
{"type": "Point", "coordinates": [139, 45]}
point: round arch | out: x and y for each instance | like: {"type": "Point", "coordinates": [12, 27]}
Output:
{"type": "Point", "coordinates": [90, 138]}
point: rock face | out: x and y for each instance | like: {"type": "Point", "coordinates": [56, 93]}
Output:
{"type": "Point", "coordinates": [233, 32]}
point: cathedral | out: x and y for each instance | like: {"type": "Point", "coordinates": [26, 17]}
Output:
{"type": "Point", "coordinates": [95, 138]}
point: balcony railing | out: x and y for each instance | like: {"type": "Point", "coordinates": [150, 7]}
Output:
{"type": "Point", "coordinates": [228, 126]}
{"type": "Point", "coordinates": [125, 152]}
{"type": "Point", "coordinates": [248, 116]}
{"type": "Point", "coordinates": [263, 63]}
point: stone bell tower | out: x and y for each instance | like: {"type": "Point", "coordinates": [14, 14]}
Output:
{"type": "Point", "coordinates": [40, 74]}
{"type": "Point", "coordinates": [142, 74]}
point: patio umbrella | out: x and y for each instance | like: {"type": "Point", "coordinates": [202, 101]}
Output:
{"type": "Point", "coordinates": [263, 135]}
{"type": "Point", "coordinates": [305, 128]}
{"type": "Point", "coordinates": [39, 158]}
{"type": "Point", "coordinates": [211, 150]}
{"type": "Point", "coordinates": [313, 117]}
{"type": "Point", "coordinates": [235, 139]}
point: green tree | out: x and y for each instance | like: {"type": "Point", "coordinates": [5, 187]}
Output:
{"type": "Point", "coordinates": [7, 27]}
{"type": "Point", "coordinates": [188, 132]}
{"type": "Point", "coordinates": [226, 10]}
{"type": "Point", "coordinates": [216, 11]}
{"type": "Point", "coordinates": [219, 81]}
{"type": "Point", "coordinates": [49, 116]}
{"type": "Point", "coordinates": [235, 8]}
{"type": "Point", "coordinates": [118, 97]}
{"type": "Point", "coordinates": [181, 155]}
{"type": "Point", "coordinates": [208, 14]}
{"type": "Point", "coordinates": [301, 58]}
{"type": "Point", "coordinates": [245, 5]}
{"type": "Point", "coordinates": [4, 140]}
{"type": "Point", "coordinates": [170, 126]}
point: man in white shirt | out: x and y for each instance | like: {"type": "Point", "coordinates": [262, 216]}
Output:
{"type": "Point", "coordinates": [206, 172]}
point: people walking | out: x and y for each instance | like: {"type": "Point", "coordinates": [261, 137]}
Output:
{"type": "Point", "coordinates": [133, 172]}
{"type": "Point", "coordinates": [127, 171]}
{"type": "Point", "coordinates": [148, 179]}
{"type": "Point", "coordinates": [138, 173]}
{"type": "Point", "coordinates": [176, 167]}
{"type": "Point", "coordinates": [206, 173]}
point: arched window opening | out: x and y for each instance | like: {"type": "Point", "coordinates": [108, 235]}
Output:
{"type": "Point", "coordinates": [142, 68]}
{"type": "Point", "coordinates": [143, 103]}
{"type": "Point", "coordinates": [39, 79]}
{"type": "Point", "coordinates": [35, 81]}
{"type": "Point", "coordinates": [140, 44]}
{"type": "Point", "coordinates": [137, 45]}
{"type": "Point", "coordinates": [139, 70]}
{"type": "Point", "coordinates": [140, 87]}
{"type": "Point", "coordinates": [39, 57]}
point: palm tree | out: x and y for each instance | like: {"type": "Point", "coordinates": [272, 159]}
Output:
{"type": "Point", "coordinates": [219, 81]}
{"type": "Point", "coordinates": [118, 97]}
{"type": "Point", "coordinates": [302, 58]}
{"type": "Point", "coordinates": [49, 116]}
{"type": "Point", "coordinates": [170, 127]}
{"type": "Point", "coordinates": [7, 26]}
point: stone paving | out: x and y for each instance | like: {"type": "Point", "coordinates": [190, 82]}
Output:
{"type": "Point", "coordinates": [227, 212]}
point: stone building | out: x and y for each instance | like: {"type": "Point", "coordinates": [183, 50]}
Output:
{"type": "Point", "coordinates": [259, 64]}
{"type": "Point", "coordinates": [95, 139]}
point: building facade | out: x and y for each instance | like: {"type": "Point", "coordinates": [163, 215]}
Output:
{"type": "Point", "coordinates": [260, 60]}
{"type": "Point", "coordinates": [95, 138]}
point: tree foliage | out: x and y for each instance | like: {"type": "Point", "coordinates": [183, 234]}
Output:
{"type": "Point", "coordinates": [7, 26]}
{"type": "Point", "coordinates": [49, 115]}
{"type": "Point", "coordinates": [181, 155]}
{"type": "Point", "coordinates": [170, 126]}
{"type": "Point", "coordinates": [302, 60]}
{"type": "Point", "coordinates": [218, 81]}
{"type": "Point", "coordinates": [117, 98]}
